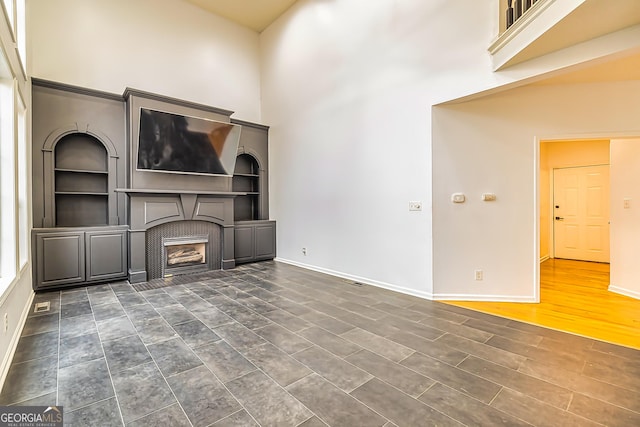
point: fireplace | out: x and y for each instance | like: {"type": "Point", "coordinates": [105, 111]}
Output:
{"type": "Point", "coordinates": [184, 255]}
{"type": "Point", "coordinates": [183, 247]}
{"type": "Point", "coordinates": [203, 220]}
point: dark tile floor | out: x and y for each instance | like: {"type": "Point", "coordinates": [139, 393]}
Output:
{"type": "Point", "coordinates": [274, 345]}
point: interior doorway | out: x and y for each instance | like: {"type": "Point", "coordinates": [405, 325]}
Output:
{"type": "Point", "coordinates": [580, 219]}
{"type": "Point", "coordinates": [572, 156]}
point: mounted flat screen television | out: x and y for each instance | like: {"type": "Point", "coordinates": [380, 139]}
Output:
{"type": "Point", "coordinates": [182, 144]}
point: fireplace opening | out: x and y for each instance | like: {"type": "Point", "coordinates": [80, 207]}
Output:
{"type": "Point", "coordinates": [184, 255]}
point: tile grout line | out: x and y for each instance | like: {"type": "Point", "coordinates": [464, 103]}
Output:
{"type": "Point", "coordinates": [262, 275]}
{"type": "Point", "coordinates": [115, 394]}
{"type": "Point", "coordinates": [156, 366]}
{"type": "Point", "coordinates": [258, 369]}
{"type": "Point", "coordinates": [59, 339]}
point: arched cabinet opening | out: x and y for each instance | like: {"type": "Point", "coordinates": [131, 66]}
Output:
{"type": "Point", "coordinates": [246, 179]}
{"type": "Point", "coordinates": [81, 185]}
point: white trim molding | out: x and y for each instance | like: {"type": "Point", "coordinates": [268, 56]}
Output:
{"type": "Point", "coordinates": [484, 298]}
{"type": "Point", "coordinates": [358, 279]}
{"type": "Point", "coordinates": [625, 292]}
{"type": "Point", "coordinates": [13, 343]}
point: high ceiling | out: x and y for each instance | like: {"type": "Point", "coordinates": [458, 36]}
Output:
{"type": "Point", "coordinates": [259, 14]}
{"type": "Point", "coordinates": [254, 14]}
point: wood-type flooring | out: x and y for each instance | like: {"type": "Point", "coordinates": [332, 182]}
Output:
{"type": "Point", "coordinates": [574, 297]}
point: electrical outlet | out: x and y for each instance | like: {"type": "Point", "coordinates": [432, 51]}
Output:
{"type": "Point", "coordinates": [304, 251]}
{"type": "Point", "coordinates": [6, 322]}
{"type": "Point", "coordinates": [479, 275]}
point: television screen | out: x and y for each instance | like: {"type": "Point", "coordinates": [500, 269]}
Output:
{"type": "Point", "coordinates": [174, 143]}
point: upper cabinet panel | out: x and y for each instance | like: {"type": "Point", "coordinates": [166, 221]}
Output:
{"type": "Point", "coordinates": [550, 25]}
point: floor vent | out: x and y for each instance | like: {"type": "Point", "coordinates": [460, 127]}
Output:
{"type": "Point", "coordinates": [42, 307]}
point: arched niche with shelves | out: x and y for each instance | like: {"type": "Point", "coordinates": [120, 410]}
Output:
{"type": "Point", "coordinates": [251, 173]}
{"type": "Point", "coordinates": [81, 182]}
{"type": "Point", "coordinates": [254, 233]}
{"type": "Point", "coordinates": [79, 173]}
{"type": "Point", "coordinates": [246, 179]}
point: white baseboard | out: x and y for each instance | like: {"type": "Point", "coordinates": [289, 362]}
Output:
{"type": "Point", "coordinates": [544, 258]}
{"type": "Point", "coordinates": [364, 280]}
{"type": "Point", "coordinates": [625, 292]}
{"type": "Point", "coordinates": [13, 343]}
{"type": "Point", "coordinates": [484, 298]}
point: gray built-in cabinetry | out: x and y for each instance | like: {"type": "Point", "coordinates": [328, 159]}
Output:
{"type": "Point", "coordinates": [71, 256]}
{"type": "Point", "coordinates": [255, 240]}
{"type": "Point", "coordinates": [92, 207]}
{"type": "Point", "coordinates": [79, 221]}
{"type": "Point", "coordinates": [255, 235]}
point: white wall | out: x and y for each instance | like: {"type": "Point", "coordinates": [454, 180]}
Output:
{"type": "Point", "coordinates": [490, 145]}
{"type": "Point", "coordinates": [625, 223]}
{"type": "Point", "coordinates": [347, 88]}
{"type": "Point", "coordinates": [169, 47]}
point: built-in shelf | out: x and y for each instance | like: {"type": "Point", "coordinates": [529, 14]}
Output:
{"type": "Point", "coordinates": [81, 193]}
{"type": "Point", "coordinates": [246, 179]}
{"type": "Point", "coordinates": [98, 172]}
{"type": "Point", "coordinates": [81, 185]}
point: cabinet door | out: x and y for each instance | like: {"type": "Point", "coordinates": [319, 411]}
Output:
{"type": "Point", "coordinates": [244, 238]}
{"type": "Point", "coordinates": [265, 241]}
{"type": "Point", "coordinates": [106, 254]}
{"type": "Point", "coordinates": [59, 258]}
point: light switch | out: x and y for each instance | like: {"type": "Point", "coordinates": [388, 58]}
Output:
{"type": "Point", "coordinates": [458, 198]}
{"type": "Point", "coordinates": [488, 197]}
{"type": "Point", "coordinates": [627, 203]}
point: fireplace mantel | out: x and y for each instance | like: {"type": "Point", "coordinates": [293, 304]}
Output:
{"type": "Point", "coordinates": [204, 193]}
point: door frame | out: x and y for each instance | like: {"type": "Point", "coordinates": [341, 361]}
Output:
{"type": "Point", "coordinates": [537, 141]}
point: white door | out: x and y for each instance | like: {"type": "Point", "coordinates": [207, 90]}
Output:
{"type": "Point", "coordinates": [581, 213]}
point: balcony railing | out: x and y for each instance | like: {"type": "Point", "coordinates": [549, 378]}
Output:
{"type": "Point", "coordinates": [517, 8]}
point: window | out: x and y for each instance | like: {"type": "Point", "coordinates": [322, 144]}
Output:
{"type": "Point", "coordinates": [23, 183]}
{"type": "Point", "coordinates": [14, 146]}
{"type": "Point", "coordinates": [7, 183]}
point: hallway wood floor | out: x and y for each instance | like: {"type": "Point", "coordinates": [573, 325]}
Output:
{"type": "Point", "coordinates": [574, 298]}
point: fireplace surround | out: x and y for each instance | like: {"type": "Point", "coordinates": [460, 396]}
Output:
{"type": "Point", "coordinates": [182, 247]}
{"type": "Point", "coordinates": [187, 215]}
